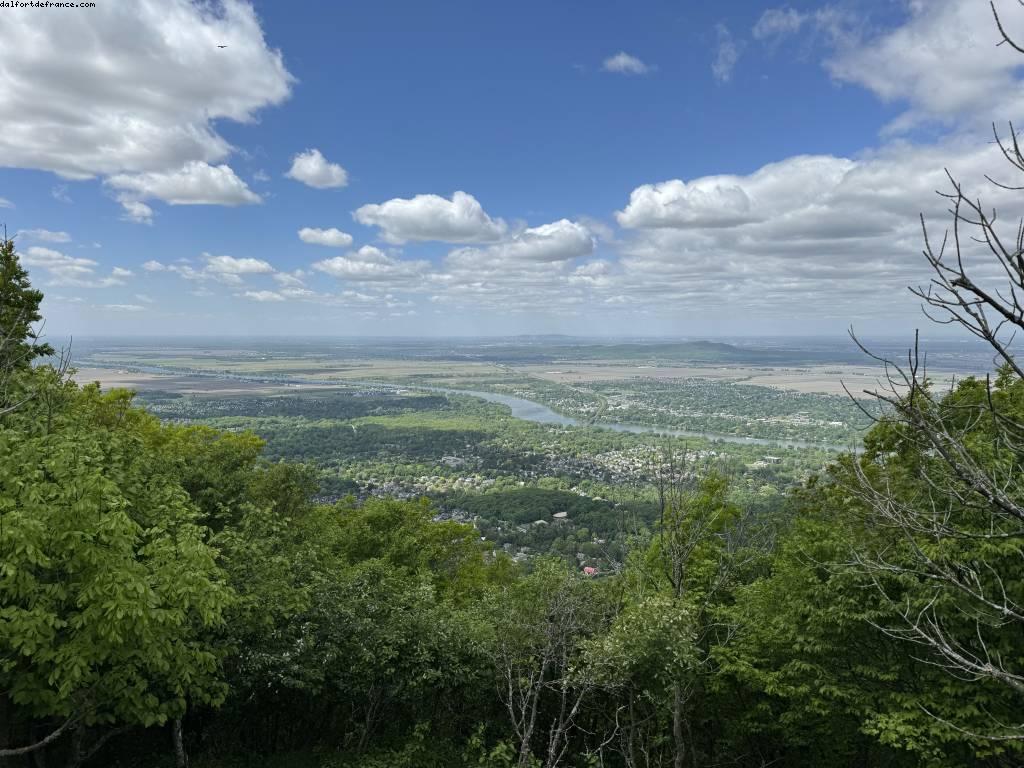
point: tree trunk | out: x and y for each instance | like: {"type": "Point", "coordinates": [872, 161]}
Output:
{"type": "Point", "coordinates": [180, 757]}
{"type": "Point", "coordinates": [678, 727]}
{"type": "Point", "coordinates": [525, 753]}
{"type": "Point", "coordinates": [631, 761]}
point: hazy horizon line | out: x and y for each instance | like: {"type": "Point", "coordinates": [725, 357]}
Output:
{"type": "Point", "coordinates": [427, 337]}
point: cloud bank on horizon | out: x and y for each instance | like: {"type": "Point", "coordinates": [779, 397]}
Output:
{"type": "Point", "coordinates": [131, 114]}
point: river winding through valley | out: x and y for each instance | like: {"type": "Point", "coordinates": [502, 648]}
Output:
{"type": "Point", "coordinates": [521, 408]}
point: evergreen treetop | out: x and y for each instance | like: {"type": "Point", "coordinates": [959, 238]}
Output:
{"type": "Point", "coordinates": [19, 311]}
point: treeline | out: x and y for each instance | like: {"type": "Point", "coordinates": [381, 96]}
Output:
{"type": "Point", "coordinates": [324, 439]}
{"type": "Point", "coordinates": [333, 405]}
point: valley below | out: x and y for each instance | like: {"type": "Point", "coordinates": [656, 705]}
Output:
{"type": "Point", "coordinates": [584, 431]}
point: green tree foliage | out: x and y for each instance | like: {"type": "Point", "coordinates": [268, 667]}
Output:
{"type": "Point", "coordinates": [889, 551]}
{"type": "Point", "coordinates": [107, 584]}
{"type": "Point", "coordinates": [215, 468]}
{"type": "Point", "coordinates": [358, 618]}
{"type": "Point", "coordinates": [660, 655]}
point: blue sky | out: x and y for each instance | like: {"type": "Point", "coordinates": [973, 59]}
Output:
{"type": "Point", "coordinates": [682, 168]}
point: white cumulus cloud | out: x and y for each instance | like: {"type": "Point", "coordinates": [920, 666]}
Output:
{"type": "Point", "coordinates": [331, 237]}
{"type": "Point", "coordinates": [725, 201]}
{"type": "Point", "coordinates": [314, 170]}
{"type": "Point", "coordinates": [196, 183]}
{"type": "Point", "coordinates": [370, 264]}
{"type": "Point", "coordinates": [943, 63]}
{"type": "Point", "coordinates": [229, 265]}
{"type": "Point", "coordinates": [432, 217]}
{"type": "Point", "coordinates": [556, 242]}
{"type": "Point", "coordinates": [837, 238]}
{"type": "Point", "coordinates": [136, 87]}
{"type": "Point", "coordinates": [222, 269]}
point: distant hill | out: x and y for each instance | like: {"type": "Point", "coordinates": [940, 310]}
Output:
{"type": "Point", "coordinates": [658, 352]}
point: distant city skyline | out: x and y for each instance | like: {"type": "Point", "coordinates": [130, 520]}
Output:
{"type": "Point", "coordinates": [612, 169]}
